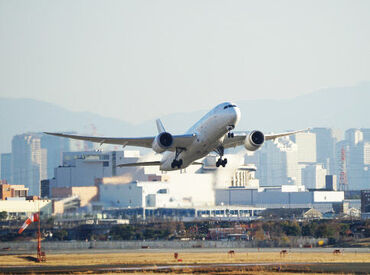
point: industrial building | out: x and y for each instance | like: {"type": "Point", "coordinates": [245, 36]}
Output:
{"type": "Point", "coordinates": [93, 178]}
{"type": "Point", "coordinates": [219, 213]}
{"type": "Point", "coordinates": [8, 191]}
{"type": "Point", "coordinates": [23, 207]}
{"type": "Point", "coordinates": [84, 168]}
{"type": "Point", "coordinates": [179, 190]}
{"type": "Point", "coordinates": [279, 197]}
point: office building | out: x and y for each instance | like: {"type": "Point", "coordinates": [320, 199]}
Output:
{"type": "Point", "coordinates": [306, 143]}
{"type": "Point", "coordinates": [331, 182]}
{"type": "Point", "coordinates": [278, 163]}
{"type": "Point", "coordinates": [313, 176]}
{"type": "Point", "coordinates": [55, 146]}
{"type": "Point", "coordinates": [355, 159]}
{"type": "Point", "coordinates": [29, 162]}
{"type": "Point", "coordinates": [325, 148]}
{"type": "Point", "coordinates": [6, 167]}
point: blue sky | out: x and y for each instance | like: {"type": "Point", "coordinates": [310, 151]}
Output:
{"type": "Point", "coordinates": [136, 60]}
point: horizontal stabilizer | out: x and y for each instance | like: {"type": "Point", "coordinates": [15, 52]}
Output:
{"type": "Point", "coordinates": [148, 163]}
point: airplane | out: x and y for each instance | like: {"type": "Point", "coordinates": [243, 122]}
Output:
{"type": "Point", "coordinates": [213, 132]}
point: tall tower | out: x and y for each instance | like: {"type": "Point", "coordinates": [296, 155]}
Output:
{"type": "Point", "coordinates": [343, 182]}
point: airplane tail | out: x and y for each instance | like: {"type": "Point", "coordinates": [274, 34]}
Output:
{"type": "Point", "coordinates": [160, 126]}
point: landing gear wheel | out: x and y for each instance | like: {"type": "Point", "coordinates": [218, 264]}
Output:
{"type": "Point", "coordinates": [220, 151]}
{"type": "Point", "coordinates": [221, 162]}
{"type": "Point", "coordinates": [177, 163]}
{"type": "Point", "coordinates": [224, 162]}
{"type": "Point", "coordinates": [230, 135]}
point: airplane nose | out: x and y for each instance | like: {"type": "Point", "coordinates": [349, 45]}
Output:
{"type": "Point", "coordinates": [235, 115]}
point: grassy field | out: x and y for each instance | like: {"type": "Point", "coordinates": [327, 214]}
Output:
{"type": "Point", "coordinates": [186, 258]}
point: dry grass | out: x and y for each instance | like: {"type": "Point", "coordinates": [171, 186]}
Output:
{"type": "Point", "coordinates": [187, 258]}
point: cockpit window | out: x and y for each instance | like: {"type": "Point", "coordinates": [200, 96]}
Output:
{"type": "Point", "coordinates": [229, 106]}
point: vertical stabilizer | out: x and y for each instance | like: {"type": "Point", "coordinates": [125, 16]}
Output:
{"type": "Point", "coordinates": [160, 127]}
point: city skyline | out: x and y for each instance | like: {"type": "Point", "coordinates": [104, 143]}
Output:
{"type": "Point", "coordinates": [301, 160]}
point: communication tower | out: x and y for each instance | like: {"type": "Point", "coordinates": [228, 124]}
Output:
{"type": "Point", "coordinates": [343, 181]}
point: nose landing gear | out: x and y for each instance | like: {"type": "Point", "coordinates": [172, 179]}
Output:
{"type": "Point", "coordinates": [230, 135]}
{"type": "Point", "coordinates": [229, 129]}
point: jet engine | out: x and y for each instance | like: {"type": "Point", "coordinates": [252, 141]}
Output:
{"type": "Point", "coordinates": [254, 140]}
{"type": "Point", "coordinates": [162, 142]}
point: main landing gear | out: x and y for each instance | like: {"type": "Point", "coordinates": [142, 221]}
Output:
{"type": "Point", "coordinates": [220, 162]}
{"type": "Point", "coordinates": [177, 163]}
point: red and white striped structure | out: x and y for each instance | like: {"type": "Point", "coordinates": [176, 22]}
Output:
{"type": "Point", "coordinates": [34, 218]}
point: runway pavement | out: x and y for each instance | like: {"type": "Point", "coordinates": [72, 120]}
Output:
{"type": "Point", "coordinates": [354, 268]}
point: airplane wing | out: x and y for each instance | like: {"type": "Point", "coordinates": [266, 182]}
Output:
{"type": "Point", "coordinates": [178, 140]}
{"type": "Point", "coordinates": [239, 138]}
{"type": "Point", "coordinates": [149, 163]}
{"type": "Point", "coordinates": [273, 136]}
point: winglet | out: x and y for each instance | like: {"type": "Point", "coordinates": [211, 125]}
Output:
{"type": "Point", "coordinates": [160, 126]}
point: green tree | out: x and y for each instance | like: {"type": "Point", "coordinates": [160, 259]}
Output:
{"type": "Point", "coordinates": [291, 228]}
{"type": "Point", "coordinates": [344, 229]}
{"type": "Point", "coordinates": [60, 235]}
{"type": "Point", "coordinates": [123, 232]}
{"type": "Point", "coordinates": [3, 215]}
{"type": "Point", "coordinates": [325, 230]}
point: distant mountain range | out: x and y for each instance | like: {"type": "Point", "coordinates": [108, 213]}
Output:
{"type": "Point", "coordinates": [340, 108]}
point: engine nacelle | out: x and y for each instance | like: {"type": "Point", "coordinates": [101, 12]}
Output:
{"type": "Point", "coordinates": [254, 140]}
{"type": "Point", "coordinates": [162, 142]}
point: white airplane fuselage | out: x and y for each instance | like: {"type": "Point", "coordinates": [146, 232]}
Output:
{"type": "Point", "coordinates": [210, 132]}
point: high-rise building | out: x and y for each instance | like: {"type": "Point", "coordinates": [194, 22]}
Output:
{"type": "Point", "coordinates": [367, 153]}
{"type": "Point", "coordinates": [325, 148]}
{"type": "Point", "coordinates": [355, 159]}
{"type": "Point", "coordinates": [306, 143]}
{"type": "Point", "coordinates": [6, 167]}
{"type": "Point", "coordinates": [313, 176]}
{"type": "Point", "coordinates": [331, 182]}
{"type": "Point", "coordinates": [278, 163]}
{"type": "Point", "coordinates": [354, 136]}
{"type": "Point", "coordinates": [366, 134]}
{"type": "Point", "coordinates": [29, 162]}
{"type": "Point", "coordinates": [55, 146]}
